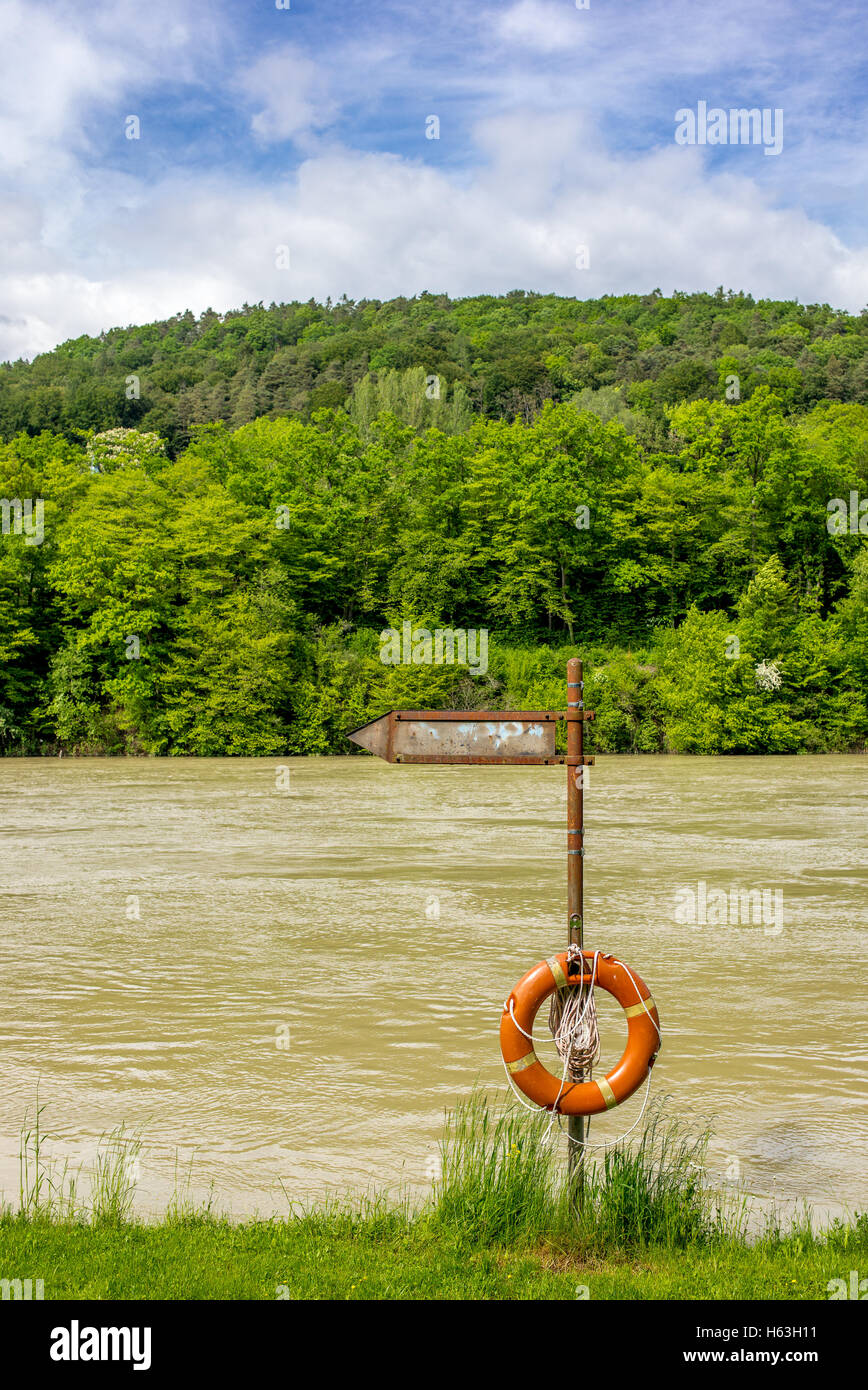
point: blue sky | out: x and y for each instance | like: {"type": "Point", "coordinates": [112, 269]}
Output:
{"type": "Point", "coordinates": [305, 128]}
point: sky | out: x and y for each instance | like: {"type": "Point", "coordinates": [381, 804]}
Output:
{"type": "Point", "coordinates": [286, 153]}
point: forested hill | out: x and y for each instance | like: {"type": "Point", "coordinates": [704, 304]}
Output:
{"type": "Point", "coordinates": [208, 524]}
{"type": "Point", "coordinates": [500, 357]}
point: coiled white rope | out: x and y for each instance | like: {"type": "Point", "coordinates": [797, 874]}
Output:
{"type": "Point", "coordinates": [573, 1022]}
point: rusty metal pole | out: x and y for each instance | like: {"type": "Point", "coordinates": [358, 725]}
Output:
{"type": "Point", "coordinates": [575, 876]}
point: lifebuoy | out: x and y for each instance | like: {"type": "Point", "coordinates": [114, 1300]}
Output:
{"type": "Point", "coordinates": [643, 1033]}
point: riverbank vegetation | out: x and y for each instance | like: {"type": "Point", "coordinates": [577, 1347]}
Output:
{"type": "Point", "coordinates": [500, 1224]}
{"type": "Point", "coordinates": [204, 568]}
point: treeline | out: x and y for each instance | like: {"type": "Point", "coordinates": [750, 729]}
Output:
{"type": "Point", "coordinates": [625, 356]}
{"type": "Point", "coordinates": [229, 600]}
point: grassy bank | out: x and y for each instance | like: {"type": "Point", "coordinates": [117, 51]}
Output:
{"type": "Point", "coordinates": [500, 1225]}
{"type": "Point", "coordinates": [337, 1259]}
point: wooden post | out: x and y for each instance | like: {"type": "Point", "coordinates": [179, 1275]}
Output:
{"type": "Point", "coordinates": [575, 878]}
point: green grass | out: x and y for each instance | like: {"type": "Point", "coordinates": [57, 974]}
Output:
{"type": "Point", "coordinates": [218, 1260]}
{"type": "Point", "coordinates": [501, 1224]}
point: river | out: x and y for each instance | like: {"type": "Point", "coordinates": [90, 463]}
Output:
{"type": "Point", "coordinates": [284, 972]}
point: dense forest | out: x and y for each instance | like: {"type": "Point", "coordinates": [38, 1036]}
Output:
{"type": "Point", "coordinates": [499, 357]}
{"type": "Point", "coordinates": [209, 522]}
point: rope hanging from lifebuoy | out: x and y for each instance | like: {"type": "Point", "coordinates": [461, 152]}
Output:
{"type": "Point", "coordinates": [579, 969]}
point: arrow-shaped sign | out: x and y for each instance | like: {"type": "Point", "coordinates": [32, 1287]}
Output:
{"type": "Point", "coordinates": [465, 736]}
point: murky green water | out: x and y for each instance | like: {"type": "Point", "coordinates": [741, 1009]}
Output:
{"type": "Point", "coordinates": [289, 985]}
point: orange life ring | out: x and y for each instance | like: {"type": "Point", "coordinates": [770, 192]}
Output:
{"type": "Point", "coordinates": [584, 1097]}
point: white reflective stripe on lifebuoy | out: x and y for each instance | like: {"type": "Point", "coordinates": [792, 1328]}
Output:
{"type": "Point", "coordinates": [645, 1007]}
{"type": "Point", "coordinates": [526, 1061]}
{"type": "Point", "coordinates": [607, 1093]}
{"type": "Point", "coordinates": [554, 966]}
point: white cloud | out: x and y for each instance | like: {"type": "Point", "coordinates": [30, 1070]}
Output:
{"type": "Point", "coordinates": [290, 93]}
{"type": "Point", "coordinates": [61, 68]}
{"type": "Point", "coordinates": [85, 246]}
{"type": "Point", "coordinates": [542, 25]}
{"type": "Point", "coordinates": [376, 225]}
{"type": "Point", "coordinates": [49, 72]}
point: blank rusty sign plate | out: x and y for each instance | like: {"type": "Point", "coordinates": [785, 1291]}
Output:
{"type": "Point", "coordinates": [457, 736]}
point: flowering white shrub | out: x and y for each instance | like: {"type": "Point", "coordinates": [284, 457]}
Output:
{"type": "Point", "coordinates": [111, 449]}
{"type": "Point", "coordinates": [768, 677]}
